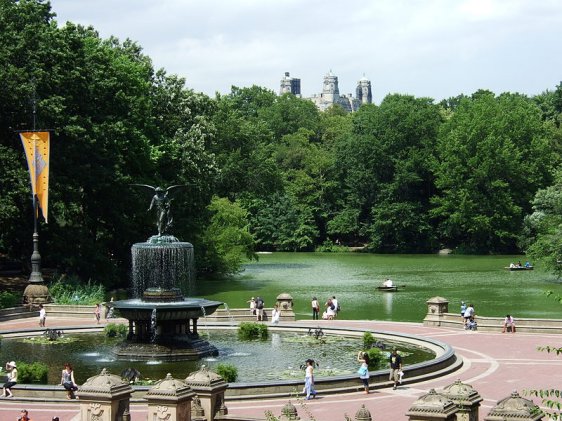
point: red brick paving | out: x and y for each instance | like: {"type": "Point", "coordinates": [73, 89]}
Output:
{"type": "Point", "coordinates": [495, 364]}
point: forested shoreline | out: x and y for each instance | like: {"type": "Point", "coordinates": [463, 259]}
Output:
{"type": "Point", "coordinates": [477, 173]}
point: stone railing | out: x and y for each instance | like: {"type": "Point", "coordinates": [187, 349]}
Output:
{"type": "Point", "coordinates": [438, 315]}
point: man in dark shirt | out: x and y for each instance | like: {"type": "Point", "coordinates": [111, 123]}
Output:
{"type": "Point", "coordinates": [395, 367]}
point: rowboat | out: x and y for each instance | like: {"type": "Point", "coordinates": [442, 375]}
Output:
{"type": "Point", "coordinates": [388, 289]}
{"type": "Point", "coordinates": [519, 268]}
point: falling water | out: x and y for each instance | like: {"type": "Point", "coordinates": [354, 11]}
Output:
{"type": "Point", "coordinates": [231, 320]}
{"type": "Point", "coordinates": [153, 326]}
{"type": "Point", "coordinates": [165, 266]}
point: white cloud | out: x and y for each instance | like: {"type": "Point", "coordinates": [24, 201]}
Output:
{"type": "Point", "coordinates": [436, 48]}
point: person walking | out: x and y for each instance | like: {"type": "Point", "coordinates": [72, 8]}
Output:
{"type": "Point", "coordinates": [336, 306]}
{"type": "Point", "coordinates": [395, 367]}
{"type": "Point", "coordinates": [363, 371]}
{"type": "Point", "coordinates": [68, 382]}
{"type": "Point", "coordinates": [315, 308]}
{"type": "Point", "coordinates": [11, 381]}
{"type": "Point", "coordinates": [309, 379]}
{"type": "Point", "coordinates": [42, 315]}
{"type": "Point", "coordinates": [463, 309]}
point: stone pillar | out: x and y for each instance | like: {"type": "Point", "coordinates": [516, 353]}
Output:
{"type": "Point", "coordinates": [436, 309]}
{"type": "Point", "coordinates": [169, 399]}
{"type": "Point", "coordinates": [363, 414]}
{"type": "Point", "coordinates": [515, 407]}
{"type": "Point", "coordinates": [210, 388]}
{"type": "Point", "coordinates": [465, 398]}
{"type": "Point", "coordinates": [289, 413]}
{"type": "Point", "coordinates": [285, 301]}
{"type": "Point", "coordinates": [104, 397]}
{"type": "Point", "coordinates": [432, 407]}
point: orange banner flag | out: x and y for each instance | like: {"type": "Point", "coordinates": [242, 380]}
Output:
{"type": "Point", "coordinates": [36, 146]}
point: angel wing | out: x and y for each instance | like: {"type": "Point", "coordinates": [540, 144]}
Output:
{"type": "Point", "coordinates": [174, 187]}
{"type": "Point", "coordinates": [144, 185]}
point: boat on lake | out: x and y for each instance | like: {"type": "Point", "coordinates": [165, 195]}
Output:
{"type": "Point", "coordinates": [393, 288]}
{"type": "Point", "coordinates": [513, 268]}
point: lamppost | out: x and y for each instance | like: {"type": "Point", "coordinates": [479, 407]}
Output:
{"type": "Point", "coordinates": [36, 146]}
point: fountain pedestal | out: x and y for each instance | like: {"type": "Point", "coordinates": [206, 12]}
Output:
{"type": "Point", "coordinates": [162, 323]}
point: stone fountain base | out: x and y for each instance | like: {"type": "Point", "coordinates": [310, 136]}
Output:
{"type": "Point", "coordinates": [195, 349]}
{"type": "Point", "coordinates": [165, 330]}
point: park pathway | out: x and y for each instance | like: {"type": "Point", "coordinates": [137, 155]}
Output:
{"type": "Point", "coordinates": [495, 364]}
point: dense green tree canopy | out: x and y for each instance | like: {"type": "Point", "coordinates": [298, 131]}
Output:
{"type": "Point", "coordinates": [258, 169]}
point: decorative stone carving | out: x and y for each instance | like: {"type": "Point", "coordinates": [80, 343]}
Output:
{"type": "Point", "coordinates": [104, 397]}
{"type": "Point", "coordinates": [436, 309]}
{"type": "Point", "coordinates": [363, 414]}
{"type": "Point", "coordinates": [197, 410]}
{"type": "Point", "coordinates": [466, 398]}
{"type": "Point", "coordinates": [515, 407]}
{"type": "Point", "coordinates": [210, 388]}
{"type": "Point", "coordinates": [285, 301]}
{"type": "Point", "coordinates": [289, 412]}
{"type": "Point", "coordinates": [169, 399]}
{"type": "Point", "coordinates": [432, 406]}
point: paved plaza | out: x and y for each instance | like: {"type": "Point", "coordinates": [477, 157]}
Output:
{"type": "Point", "coordinates": [495, 364]}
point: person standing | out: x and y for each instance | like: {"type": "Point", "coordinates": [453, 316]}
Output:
{"type": "Point", "coordinates": [12, 379]}
{"type": "Point", "coordinates": [252, 303]}
{"type": "Point", "coordinates": [97, 313]}
{"type": "Point", "coordinates": [42, 315]}
{"type": "Point", "coordinates": [468, 314]}
{"type": "Point", "coordinates": [336, 306]}
{"type": "Point", "coordinates": [67, 381]}
{"type": "Point", "coordinates": [259, 309]}
{"type": "Point", "coordinates": [315, 308]}
{"type": "Point", "coordinates": [363, 371]}
{"type": "Point", "coordinates": [395, 367]}
{"type": "Point", "coordinates": [463, 309]}
{"type": "Point", "coordinates": [309, 379]}
{"type": "Point", "coordinates": [275, 315]}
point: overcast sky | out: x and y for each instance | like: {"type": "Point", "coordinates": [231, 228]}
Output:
{"type": "Point", "coordinates": [434, 48]}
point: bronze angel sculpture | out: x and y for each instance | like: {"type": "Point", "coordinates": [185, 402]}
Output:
{"type": "Point", "coordinates": [162, 202]}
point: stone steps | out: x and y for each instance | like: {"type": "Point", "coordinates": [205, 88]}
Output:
{"type": "Point", "coordinates": [495, 324]}
{"type": "Point", "coordinates": [14, 313]}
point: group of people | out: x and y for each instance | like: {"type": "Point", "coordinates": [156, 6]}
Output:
{"type": "Point", "coordinates": [332, 308]}
{"type": "Point", "coordinates": [468, 316]}
{"type": "Point", "coordinates": [520, 265]}
{"type": "Point", "coordinates": [394, 361]}
{"type": "Point", "coordinates": [257, 309]}
{"type": "Point", "coordinates": [67, 380]}
{"type": "Point", "coordinates": [469, 322]}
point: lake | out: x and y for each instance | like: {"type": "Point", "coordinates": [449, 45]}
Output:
{"type": "Point", "coordinates": [353, 277]}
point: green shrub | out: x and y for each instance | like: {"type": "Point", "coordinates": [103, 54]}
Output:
{"type": "Point", "coordinates": [33, 373]}
{"type": "Point", "coordinates": [112, 330]}
{"type": "Point", "coordinates": [252, 330]}
{"type": "Point", "coordinates": [368, 340]}
{"type": "Point", "coordinates": [375, 358]}
{"type": "Point", "coordinates": [228, 372]}
{"type": "Point", "coordinates": [70, 290]}
{"type": "Point", "coordinates": [329, 247]}
{"type": "Point", "coordinates": [9, 299]}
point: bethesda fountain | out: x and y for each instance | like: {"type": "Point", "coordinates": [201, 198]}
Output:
{"type": "Point", "coordinates": [162, 321]}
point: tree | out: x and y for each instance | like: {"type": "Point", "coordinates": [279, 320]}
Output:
{"type": "Point", "coordinates": [491, 157]}
{"type": "Point", "coordinates": [542, 233]}
{"type": "Point", "coordinates": [227, 239]}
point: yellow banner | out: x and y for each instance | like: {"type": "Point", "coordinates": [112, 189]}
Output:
{"type": "Point", "coordinates": [36, 146]}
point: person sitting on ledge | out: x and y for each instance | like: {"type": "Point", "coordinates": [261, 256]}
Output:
{"type": "Point", "coordinates": [508, 323]}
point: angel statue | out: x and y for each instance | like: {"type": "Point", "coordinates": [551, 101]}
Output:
{"type": "Point", "coordinates": [162, 202]}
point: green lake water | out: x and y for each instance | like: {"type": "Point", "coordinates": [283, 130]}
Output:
{"type": "Point", "coordinates": [353, 277]}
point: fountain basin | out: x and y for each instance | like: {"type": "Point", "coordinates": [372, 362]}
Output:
{"type": "Point", "coordinates": [165, 330]}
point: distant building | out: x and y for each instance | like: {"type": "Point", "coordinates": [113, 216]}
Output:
{"type": "Point", "coordinates": [330, 93]}
{"type": "Point", "coordinates": [290, 85]}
